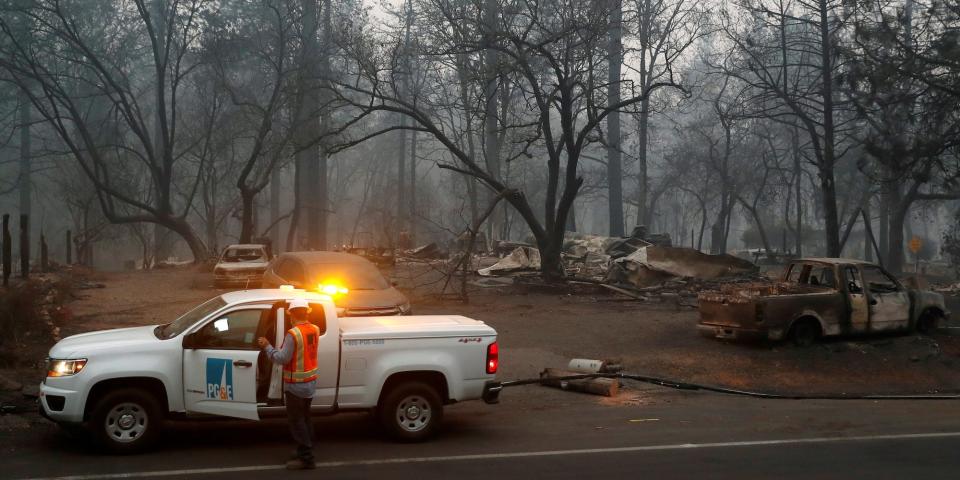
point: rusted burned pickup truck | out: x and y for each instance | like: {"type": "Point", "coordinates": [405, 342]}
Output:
{"type": "Point", "coordinates": [819, 297]}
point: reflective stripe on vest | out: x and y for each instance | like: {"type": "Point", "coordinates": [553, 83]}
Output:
{"type": "Point", "coordinates": [302, 366]}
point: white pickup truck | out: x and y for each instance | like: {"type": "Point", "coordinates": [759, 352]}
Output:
{"type": "Point", "coordinates": [122, 384]}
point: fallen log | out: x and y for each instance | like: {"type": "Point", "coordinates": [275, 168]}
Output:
{"type": "Point", "coordinates": [552, 377]}
{"type": "Point", "coordinates": [623, 291]}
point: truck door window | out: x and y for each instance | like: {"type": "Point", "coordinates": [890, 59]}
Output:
{"type": "Point", "coordinates": [233, 330]}
{"type": "Point", "coordinates": [822, 276]}
{"type": "Point", "coordinates": [796, 272]}
{"type": "Point", "coordinates": [318, 318]}
{"type": "Point", "coordinates": [878, 281]}
{"type": "Point", "coordinates": [852, 280]}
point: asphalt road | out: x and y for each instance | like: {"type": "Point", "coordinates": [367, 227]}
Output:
{"type": "Point", "coordinates": [649, 433]}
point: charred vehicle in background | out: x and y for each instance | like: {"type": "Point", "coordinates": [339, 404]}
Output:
{"type": "Point", "coordinates": [241, 266]}
{"type": "Point", "coordinates": [358, 287]}
{"type": "Point", "coordinates": [818, 297]}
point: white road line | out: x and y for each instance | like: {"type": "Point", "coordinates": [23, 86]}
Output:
{"type": "Point", "coordinates": [496, 456]}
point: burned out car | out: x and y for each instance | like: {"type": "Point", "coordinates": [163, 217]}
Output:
{"type": "Point", "coordinates": [819, 297]}
{"type": "Point", "coordinates": [241, 266]}
{"type": "Point", "coordinates": [357, 286]}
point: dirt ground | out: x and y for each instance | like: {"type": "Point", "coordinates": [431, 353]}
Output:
{"type": "Point", "coordinates": [538, 330]}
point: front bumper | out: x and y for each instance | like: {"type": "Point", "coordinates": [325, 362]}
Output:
{"type": "Point", "coordinates": [60, 405]}
{"type": "Point", "coordinates": [728, 332]}
{"type": "Point", "coordinates": [238, 279]}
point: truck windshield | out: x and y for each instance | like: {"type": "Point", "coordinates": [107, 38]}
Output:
{"type": "Point", "coordinates": [174, 328]}
{"type": "Point", "coordinates": [235, 255]}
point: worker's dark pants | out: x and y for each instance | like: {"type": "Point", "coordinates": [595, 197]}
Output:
{"type": "Point", "coordinates": [301, 425]}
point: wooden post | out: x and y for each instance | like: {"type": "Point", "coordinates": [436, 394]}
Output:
{"type": "Point", "coordinates": [7, 250]}
{"type": "Point", "coordinates": [24, 246]}
{"type": "Point", "coordinates": [607, 387]}
{"type": "Point", "coordinates": [69, 249]}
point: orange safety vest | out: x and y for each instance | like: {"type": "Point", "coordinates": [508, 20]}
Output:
{"type": "Point", "coordinates": [302, 366]}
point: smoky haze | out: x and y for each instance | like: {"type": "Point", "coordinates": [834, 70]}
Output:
{"type": "Point", "coordinates": [166, 130]}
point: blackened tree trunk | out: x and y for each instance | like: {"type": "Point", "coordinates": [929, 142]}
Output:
{"type": "Point", "coordinates": [26, 184]}
{"type": "Point", "coordinates": [275, 210]}
{"type": "Point", "coordinates": [644, 213]}
{"type": "Point", "coordinates": [401, 180]}
{"type": "Point", "coordinates": [6, 258]}
{"type": "Point", "coordinates": [248, 225]}
{"type": "Point", "coordinates": [412, 213]}
{"type": "Point", "coordinates": [826, 164]}
{"type": "Point", "coordinates": [614, 164]}
{"type": "Point", "coordinates": [24, 246]}
{"type": "Point", "coordinates": [491, 138]}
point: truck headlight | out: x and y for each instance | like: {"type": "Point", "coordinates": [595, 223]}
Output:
{"type": "Point", "coordinates": [64, 368]}
{"type": "Point", "coordinates": [405, 308]}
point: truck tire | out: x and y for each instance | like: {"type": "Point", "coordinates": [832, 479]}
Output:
{"type": "Point", "coordinates": [410, 412]}
{"type": "Point", "coordinates": [929, 321]}
{"type": "Point", "coordinates": [126, 421]}
{"type": "Point", "coordinates": [805, 332]}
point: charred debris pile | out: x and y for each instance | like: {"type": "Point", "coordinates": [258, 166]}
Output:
{"type": "Point", "coordinates": [643, 266]}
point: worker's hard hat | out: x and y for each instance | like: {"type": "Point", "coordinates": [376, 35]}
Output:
{"type": "Point", "coordinates": [299, 303]}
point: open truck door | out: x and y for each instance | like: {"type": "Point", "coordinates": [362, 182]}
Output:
{"type": "Point", "coordinates": [220, 364]}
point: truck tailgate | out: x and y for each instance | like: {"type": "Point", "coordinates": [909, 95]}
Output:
{"type": "Point", "coordinates": [727, 310]}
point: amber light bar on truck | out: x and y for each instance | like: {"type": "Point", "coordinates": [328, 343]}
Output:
{"type": "Point", "coordinates": [332, 288]}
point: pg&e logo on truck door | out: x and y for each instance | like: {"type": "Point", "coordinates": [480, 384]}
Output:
{"type": "Point", "coordinates": [219, 378]}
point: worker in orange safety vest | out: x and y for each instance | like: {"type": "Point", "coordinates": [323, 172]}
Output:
{"type": "Point", "coordinates": [298, 355]}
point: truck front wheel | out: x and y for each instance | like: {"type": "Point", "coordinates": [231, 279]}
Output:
{"type": "Point", "coordinates": [126, 421]}
{"type": "Point", "coordinates": [929, 321]}
{"type": "Point", "coordinates": [411, 412]}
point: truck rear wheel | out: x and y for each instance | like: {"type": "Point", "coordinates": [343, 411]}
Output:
{"type": "Point", "coordinates": [126, 421]}
{"type": "Point", "coordinates": [411, 412]}
{"type": "Point", "coordinates": [805, 332]}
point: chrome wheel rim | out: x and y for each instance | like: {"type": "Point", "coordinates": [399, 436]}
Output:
{"type": "Point", "coordinates": [126, 422]}
{"type": "Point", "coordinates": [413, 413]}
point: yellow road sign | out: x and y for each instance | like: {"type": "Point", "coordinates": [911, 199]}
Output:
{"type": "Point", "coordinates": [915, 244]}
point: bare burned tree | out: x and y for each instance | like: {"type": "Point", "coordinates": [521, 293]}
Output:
{"type": "Point", "coordinates": [252, 60]}
{"type": "Point", "coordinates": [659, 33]}
{"type": "Point", "coordinates": [80, 56]}
{"type": "Point", "coordinates": [787, 52]}
{"type": "Point", "coordinates": [556, 52]}
{"type": "Point", "coordinates": [903, 85]}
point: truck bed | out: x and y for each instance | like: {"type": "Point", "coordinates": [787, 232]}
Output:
{"type": "Point", "coordinates": [748, 292]}
{"type": "Point", "coordinates": [413, 326]}
{"type": "Point", "coordinates": [764, 309]}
